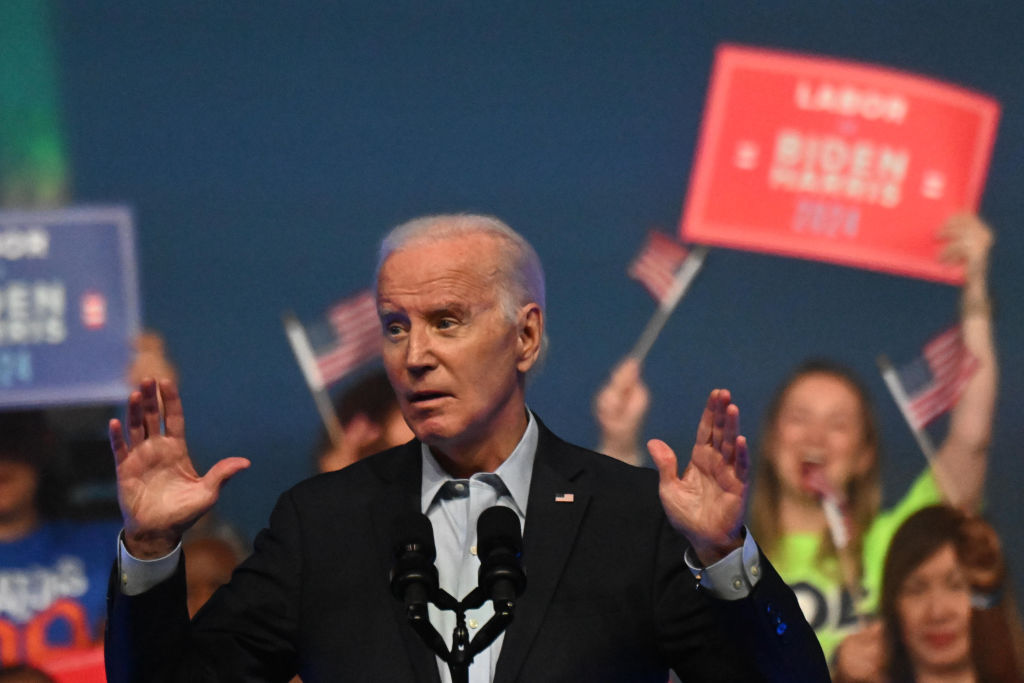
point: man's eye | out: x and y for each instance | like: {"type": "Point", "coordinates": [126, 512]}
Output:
{"type": "Point", "coordinates": [794, 418]}
{"type": "Point", "coordinates": [393, 329]}
{"type": "Point", "coordinates": [445, 324]}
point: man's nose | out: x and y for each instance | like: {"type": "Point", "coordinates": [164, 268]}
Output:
{"type": "Point", "coordinates": [419, 354]}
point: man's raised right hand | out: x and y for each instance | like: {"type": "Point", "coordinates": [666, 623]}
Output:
{"type": "Point", "coordinates": [158, 489]}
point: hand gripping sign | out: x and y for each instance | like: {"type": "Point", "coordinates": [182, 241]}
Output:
{"type": "Point", "coordinates": [835, 161]}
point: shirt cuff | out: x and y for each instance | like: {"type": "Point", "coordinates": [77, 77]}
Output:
{"type": "Point", "coordinates": [138, 576]}
{"type": "Point", "coordinates": [733, 576]}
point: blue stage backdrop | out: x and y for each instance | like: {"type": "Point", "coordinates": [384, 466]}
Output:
{"type": "Point", "coordinates": [265, 147]}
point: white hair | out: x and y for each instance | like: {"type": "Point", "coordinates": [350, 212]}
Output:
{"type": "Point", "coordinates": [520, 276]}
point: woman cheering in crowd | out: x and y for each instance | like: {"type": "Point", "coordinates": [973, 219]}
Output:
{"type": "Point", "coordinates": [819, 458]}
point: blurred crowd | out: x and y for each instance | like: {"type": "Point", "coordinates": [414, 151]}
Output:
{"type": "Point", "coordinates": [914, 592]}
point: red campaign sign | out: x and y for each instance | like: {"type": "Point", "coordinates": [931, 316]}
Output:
{"type": "Point", "coordinates": [835, 161]}
{"type": "Point", "coordinates": [76, 666]}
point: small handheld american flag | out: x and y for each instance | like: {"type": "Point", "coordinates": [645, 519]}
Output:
{"type": "Point", "coordinates": [656, 265]}
{"type": "Point", "coordinates": [353, 337]}
{"type": "Point", "coordinates": [348, 337]}
{"type": "Point", "coordinates": [932, 383]}
{"type": "Point", "coordinates": [666, 268]}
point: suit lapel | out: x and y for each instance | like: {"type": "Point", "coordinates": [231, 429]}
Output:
{"type": "Point", "coordinates": [402, 478]}
{"type": "Point", "coordinates": [551, 528]}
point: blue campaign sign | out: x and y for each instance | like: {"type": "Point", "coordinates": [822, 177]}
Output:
{"type": "Point", "coordinates": [69, 305]}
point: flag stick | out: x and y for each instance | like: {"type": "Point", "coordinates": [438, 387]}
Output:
{"type": "Point", "coordinates": [835, 516]}
{"type": "Point", "coordinates": [307, 363]}
{"type": "Point", "coordinates": [684, 276]}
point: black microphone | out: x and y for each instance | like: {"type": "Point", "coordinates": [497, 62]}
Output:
{"type": "Point", "coordinates": [414, 576]}
{"type": "Point", "coordinates": [500, 547]}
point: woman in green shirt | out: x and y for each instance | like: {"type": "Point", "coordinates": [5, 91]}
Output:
{"type": "Point", "coordinates": [820, 447]}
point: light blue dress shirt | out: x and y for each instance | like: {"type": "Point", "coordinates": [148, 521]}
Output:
{"type": "Point", "coordinates": [453, 507]}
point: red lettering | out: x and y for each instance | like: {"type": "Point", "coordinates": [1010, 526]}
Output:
{"type": "Point", "coordinates": [8, 643]}
{"type": "Point", "coordinates": [36, 647]}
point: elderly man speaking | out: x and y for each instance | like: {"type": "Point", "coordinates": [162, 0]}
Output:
{"type": "Point", "coordinates": [629, 573]}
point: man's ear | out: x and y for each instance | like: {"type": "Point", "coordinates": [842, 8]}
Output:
{"type": "Point", "coordinates": [530, 333]}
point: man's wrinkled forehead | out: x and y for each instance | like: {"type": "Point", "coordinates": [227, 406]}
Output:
{"type": "Point", "coordinates": [476, 255]}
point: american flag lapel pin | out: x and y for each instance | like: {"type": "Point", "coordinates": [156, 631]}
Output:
{"type": "Point", "coordinates": [564, 498]}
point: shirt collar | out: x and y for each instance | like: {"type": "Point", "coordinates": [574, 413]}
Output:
{"type": "Point", "coordinates": [515, 472]}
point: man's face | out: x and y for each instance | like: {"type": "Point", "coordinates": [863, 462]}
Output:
{"type": "Point", "coordinates": [454, 358]}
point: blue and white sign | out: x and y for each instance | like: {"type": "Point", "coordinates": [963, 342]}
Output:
{"type": "Point", "coordinates": [69, 305]}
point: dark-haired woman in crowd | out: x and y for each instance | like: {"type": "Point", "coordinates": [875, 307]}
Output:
{"type": "Point", "coordinates": [945, 617]}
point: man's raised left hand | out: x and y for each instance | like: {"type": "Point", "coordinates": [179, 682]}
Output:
{"type": "Point", "coordinates": [706, 503]}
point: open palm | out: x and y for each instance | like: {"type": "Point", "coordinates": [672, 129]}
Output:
{"type": "Point", "coordinates": [159, 491]}
{"type": "Point", "coordinates": [706, 502]}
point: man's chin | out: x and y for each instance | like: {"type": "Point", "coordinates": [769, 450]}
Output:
{"type": "Point", "coordinates": [432, 433]}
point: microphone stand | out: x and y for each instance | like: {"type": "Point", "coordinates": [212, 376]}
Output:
{"type": "Point", "coordinates": [463, 649]}
{"type": "Point", "coordinates": [500, 579]}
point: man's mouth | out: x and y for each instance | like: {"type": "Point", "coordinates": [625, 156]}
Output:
{"type": "Point", "coordinates": [424, 397]}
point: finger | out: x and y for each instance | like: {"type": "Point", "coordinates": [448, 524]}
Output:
{"type": "Point", "coordinates": [174, 416]}
{"type": "Point", "coordinates": [640, 401]}
{"type": "Point", "coordinates": [951, 229]}
{"type": "Point", "coordinates": [136, 432]}
{"type": "Point", "coordinates": [117, 443]}
{"type": "Point", "coordinates": [609, 396]}
{"type": "Point", "coordinates": [622, 379]}
{"type": "Point", "coordinates": [742, 459]}
{"type": "Point", "coordinates": [960, 221]}
{"type": "Point", "coordinates": [620, 375]}
{"type": "Point", "coordinates": [721, 418]}
{"type": "Point", "coordinates": [967, 227]}
{"type": "Point", "coordinates": [629, 372]}
{"type": "Point", "coordinates": [952, 252]}
{"type": "Point", "coordinates": [150, 407]}
{"type": "Point", "coordinates": [636, 389]}
{"type": "Point", "coordinates": [730, 431]}
{"type": "Point", "coordinates": [705, 426]}
{"type": "Point", "coordinates": [606, 401]}
{"type": "Point", "coordinates": [224, 470]}
{"type": "Point", "coordinates": [664, 459]}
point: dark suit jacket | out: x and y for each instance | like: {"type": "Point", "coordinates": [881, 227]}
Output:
{"type": "Point", "coordinates": [609, 597]}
